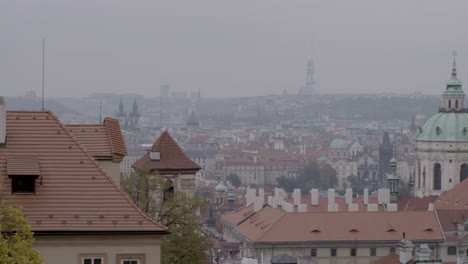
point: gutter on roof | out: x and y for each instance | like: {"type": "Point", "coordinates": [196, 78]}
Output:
{"type": "Point", "coordinates": [341, 242]}
{"type": "Point", "coordinates": [440, 225]}
{"type": "Point", "coordinates": [93, 233]}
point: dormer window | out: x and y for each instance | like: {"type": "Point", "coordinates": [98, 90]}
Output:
{"type": "Point", "coordinates": [23, 172]}
{"type": "Point", "coordinates": [155, 155]}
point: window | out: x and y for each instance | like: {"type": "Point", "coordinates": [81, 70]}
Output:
{"type": "Point", "coordinates": [92, 260]}
{"type": "Point", "coordinates": [392, 250]}
{"type": "Point", "coordinates": [451, 251]}
{"type": "Point", "coordinates": [437, 177]}
{"type": "Point", "coordinates": [353, 252]}
{"type": "Point", "coordinates": [313, 252]}
{"type": "Point", "coordinates": [23, 184]}
{"type": "Point", "coordinates": [463, 172]}
{"type": "Point", "coordinates": [130, 261]}
{"type": "Point", "coordinates": [333, 252]}
{"type": "Point", "coordinates": [373, 252]}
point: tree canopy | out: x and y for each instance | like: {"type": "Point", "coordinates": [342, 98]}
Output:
{"type": "Point", "coordinates": [313, 175]}
{"type": "Point", "coordinates": [16, 238]}
{"type": "Point", "coordinates": [234, 179]}
{"type": "Point", "coordinates": [187, 241]}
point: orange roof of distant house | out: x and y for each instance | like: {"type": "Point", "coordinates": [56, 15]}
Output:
{"type": "Point", "coordinates": [454, 199]}
{"type": "Point", "coordinates": [413, 203]}
{"type": "Point", "coordinates": [73, 193]}
{"type": "Point", "coordinates": [102, 141]}
{"type": "Point", "coordinates": [172, 158]}
{"type": "Point", "coordinates": [449, 219]}
{"type": "Point", "coordinates": [340, 227]}
{"type": "Point", "coordinates": [391, 258]}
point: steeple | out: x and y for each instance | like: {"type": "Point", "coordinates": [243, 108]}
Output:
{"type": "Point", "coordinates": [453, 94]}
{"type": "Point", "coordinates": [393, 180]}
{"type": "Point", "coordinates": [121, 112]}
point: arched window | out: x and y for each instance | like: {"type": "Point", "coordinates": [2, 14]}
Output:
{"type": "Point", "coordinates": [463, 172]}
{"type": "Point", "coordinates": [437, 184]}
{"type": "Point", "coordinates": [450, 104]}
{"type": "Point", "coordinates": [456, 104]}
{"type": "Point", "coordinates": [424, 177]}
{"type": "Point", "coordinates": [419, 174]}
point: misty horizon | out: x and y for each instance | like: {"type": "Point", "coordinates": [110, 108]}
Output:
{"type": "Point", "coordinates": [230, 49]}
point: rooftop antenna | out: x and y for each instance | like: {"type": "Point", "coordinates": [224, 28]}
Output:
{"type": "Point", "coordinates": [161, 95]}
{"type": "Point", "coordinates": [100, 112]}
{"type": "Point", "coordinates": [43, 71]}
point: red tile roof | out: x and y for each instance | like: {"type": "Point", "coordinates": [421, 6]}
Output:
{"type": "Point", "coordinates": [173, 159]}
{"type": "Point", "coordinates": [412, 203]}
{"type": "Point", "coordinates": [101, 141]}
{"type": "Point", "coordinates": [273, 225]}
{"type": "Point", "coordinates": [22, 166]}
{"type": "Point", "coordinates": [73, 194]}
{"type": "Point", "coordinates": [115, 135]}
{"type": "Point", "coordinates": [450, 218]}
{"type": "Point", "coordinates": [454, 199]}
{"type": "Point", "coordinates": [392, 258]}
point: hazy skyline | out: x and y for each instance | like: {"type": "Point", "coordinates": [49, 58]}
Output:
{"type": "Point", "coordinates": [230, 48]}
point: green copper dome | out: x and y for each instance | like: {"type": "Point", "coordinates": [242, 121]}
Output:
{"type": "Point", "coordinates": [220, 188]}
{"type": "Point", "coordinates": [451, 127]}
{"type": "Point", "coordinates": [453, 82]}
{"type": "Point", "coordinates": [339, 143]}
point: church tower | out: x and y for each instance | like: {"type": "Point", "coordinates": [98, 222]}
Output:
{"type": "Point", "coordinates": [121, 113]}
{"type": "Point", "coordinates": [393, 181]}
{"type": "Point", "coordinates": [385, 155]}
{"type": "Point", "coordinates": [134, 116]}
{"type": "Point", "coordinates": [442, 143]}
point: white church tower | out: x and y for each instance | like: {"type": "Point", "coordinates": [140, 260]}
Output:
{"type": "Point", "coordinates": [442, 143]}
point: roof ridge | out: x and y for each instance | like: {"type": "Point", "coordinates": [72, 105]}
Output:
{"type": "Point", "coordinates": [104, 173]}
{"type": "Point", "coordinates": [109, 137]}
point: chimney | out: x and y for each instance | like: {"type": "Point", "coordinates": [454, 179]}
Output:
{"type": "Point", "coordinates": [353, 207]}
{"type": "Point", "coordinates": [383, 196]}
{"type": "Point", "coordinates": [250, 197]}
{"type": "Point", "coordinates": [349, 196]}
{"type": "Point", "coordinates": [405, 250]}
{"type": "Point", "coordinates": [392, 207]}
{"type": "Point", "coordinates": [331, 196]}
{"type": "Point", "coordinates": [258, 204]}
{"type": "Point", "coordinates": [302, 208]}
{"type": "Point", "coordinates": [424, 253]}
{"type": "Point", "coordinates": [272, 201]}
{"type": "Point", "coordinates": [261, 193]}
{"type": "Point", "coordinates": [288, 207]}
{"type": "Point", "coordinates": [314, 196]}
{"type": "Point", "coordinates": [430, 207]}
{"type": "Point", "coordinates": [366, 196]}
{"type": "Point", "coordinates": [297, 196]}
{"type": "Point", "coordinates": [2, 121]}
{"type": "Point", "coordinates": [372, 207]}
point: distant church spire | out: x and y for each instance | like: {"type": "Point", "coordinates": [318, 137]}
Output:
{"type": "Point", "coordinates": [454, 65]}
{"type": "Point", "coordinates": [453, 94]}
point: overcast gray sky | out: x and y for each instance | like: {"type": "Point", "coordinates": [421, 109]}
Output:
{"type": "Point", "coordinates": [230, 48]}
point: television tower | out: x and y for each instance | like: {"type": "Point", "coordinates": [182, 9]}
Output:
{"type": "Point", "coordinates": [309, 87]}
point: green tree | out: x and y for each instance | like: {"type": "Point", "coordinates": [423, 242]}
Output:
{"type": "Point", "coordinates": [16, 238]}
{"type": "Point", "coordinates": [313, 175]}
{"type": "Point", "coordinates": [234, 179]}
{"type": "Point", "coordinates": [187, 241]}
{"type": "Point", "coordinates": [288, 184]}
